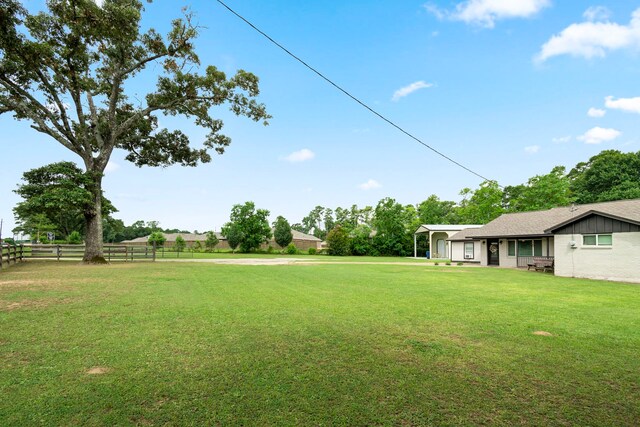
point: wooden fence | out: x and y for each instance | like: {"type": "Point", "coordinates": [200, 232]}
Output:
{"type": "Point", "coordinates": [10, 253]}
{"type": "Point", "coordinates": [61, 252]}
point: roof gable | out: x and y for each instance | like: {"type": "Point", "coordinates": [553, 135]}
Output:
{"type": "Point", "coordinates": [540, 223]}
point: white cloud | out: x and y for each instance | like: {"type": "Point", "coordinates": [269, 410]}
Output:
{"type": "Point", "coordinates": [370, 185]}
{"type": "Point", "coordinates": [598, 135]}
{"type": "Point", "coordinates": [486, 12]}
{"type": "Point", "coordinates": [532, 149]}
{"type": "Point", "coordinates": [596, 112]}
{"type": "Point", "coordinates": [591, 39]}
{"type": "Point", "coordinates": [630, 105]}
{"type": "Point", "coordinates": [300, 156]}
{"type": "Point", "coordinates": [111, 167]}
{"type": "Point", "coordinates": [407, 90]}
{"type": "Point", "coordinates": [561, 139]}
{"type": "Point", "coordinates": [597, 13]}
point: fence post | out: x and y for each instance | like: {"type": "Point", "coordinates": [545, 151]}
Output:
{"type": "Point", "coordinates": [21, 252]}
{"type": "Point", "coordinates": [154, 251]}
{"type": "Point", "coordinates": [1, 254]}
{"type": "Point", "coordinates": [58, 251]}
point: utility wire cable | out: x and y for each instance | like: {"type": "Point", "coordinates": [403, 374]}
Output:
{"type": "Point", "coordinates": [344, 91]}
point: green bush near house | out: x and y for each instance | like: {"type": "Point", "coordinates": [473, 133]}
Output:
{"type": "Point", "coordinates": [291, 249]}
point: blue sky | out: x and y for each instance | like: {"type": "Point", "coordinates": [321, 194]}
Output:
{"type": "Point", "coordinates": [508, 88]}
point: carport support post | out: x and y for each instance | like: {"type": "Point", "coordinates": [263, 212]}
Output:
{"type": "Point", "coordinates": [415, 245]}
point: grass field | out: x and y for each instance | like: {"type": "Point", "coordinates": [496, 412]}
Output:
{"type": "Point", "coordinates": [326, 258]}
{"type": "Point", "coordinates": [196, 344]}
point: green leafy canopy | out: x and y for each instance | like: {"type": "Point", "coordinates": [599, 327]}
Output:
{"type": "Point", "coordinates": [68, 71]}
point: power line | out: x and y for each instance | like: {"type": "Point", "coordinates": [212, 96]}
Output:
{"type": "Point", "coordinates": [344, 91]}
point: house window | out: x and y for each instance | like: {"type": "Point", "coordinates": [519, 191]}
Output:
{"type": "Point", "coordinates": [468, 250]}
{"type": "Point", "coordinates": [597, 240]}
{"type": "Point", "coordinates": [511, 248]}
{"type": "Point", "coordinates": [529, 247]}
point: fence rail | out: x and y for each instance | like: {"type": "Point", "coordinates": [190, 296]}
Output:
{"type": "Point", "coordinates": [10, 253]}
{"type": "Point", "coordinates": [112, 252]}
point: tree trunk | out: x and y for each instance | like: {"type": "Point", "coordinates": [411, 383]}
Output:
{"type": "Point", "coordinates": [93, 252]}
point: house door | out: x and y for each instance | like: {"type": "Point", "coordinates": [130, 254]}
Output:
{"type": "Point", "coordinates": [494, 252]}
{"type": "Point", "coordinates": [441, 249]}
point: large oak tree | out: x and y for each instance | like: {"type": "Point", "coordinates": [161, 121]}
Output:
{"type": "Point", "coordinates": [68, 71]}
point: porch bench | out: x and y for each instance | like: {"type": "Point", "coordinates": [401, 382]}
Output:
{"type": "Point", "coordinates": [541, 264]}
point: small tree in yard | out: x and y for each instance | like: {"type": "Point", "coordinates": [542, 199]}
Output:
{"type": "Point", "coordinates": [157, 238]}
{"type": "Point", "coordinates": [248, 227]}
{"type": "Point", "coordinates": [233, 234]}
{"type": "Point", "coordinates": [338, 241]}
{"type": "Point", "coordinates": [68, 71]}
{"type": "Point", "coordinates": [211, 241]}
{"type": "Point", "coordinates": [180, 244]}
{"type": "Point", "coordinates": [282, 232]}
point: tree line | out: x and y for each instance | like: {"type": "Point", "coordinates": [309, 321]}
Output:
{"type": "Point", "coordinates": [55, 198]}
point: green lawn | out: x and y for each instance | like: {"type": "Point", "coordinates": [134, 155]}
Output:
{"type": "Point", "coordinates": [347, 344]}
{"type": "Point", "coordinates": [327, 258]}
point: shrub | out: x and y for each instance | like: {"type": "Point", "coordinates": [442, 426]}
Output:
{"type": "Point", "coordinates": [291, 249]}
{"type": "Point", "coordinates": [338, 242]}
{"type": "Point", "coordinates": [436, 263]}
{"type": "Point", "coordinates": [75, 238]}
{"type": "Point", "coordinates": [460, 263]}
{"type": "Point", "coordinates": [447, 263]}
{"type": "Point", "coordinates": [197, 246]}
{"type": "Point", "coordinates": [312, 251]}
{"type": "Point", "coordinates": [270, 249]}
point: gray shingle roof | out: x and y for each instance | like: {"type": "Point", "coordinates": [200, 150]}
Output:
{"type": "Point", "coordinates": [462, 235]}
{"type": "Point", "coordinates": [425, 228]}
{"type": "Point", "coordinates": [538, 223]}
{"type": "Point", "coordinates": [190, 237]}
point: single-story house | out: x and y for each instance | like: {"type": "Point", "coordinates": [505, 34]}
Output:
{"type": "Point", "coordinates": [301, 240]}
{"type": "Point", "coordinates": [437, 237]}
{"type": "Point", "coordinates": [597, 240]}
{"type": "Point", "coordinates": [463, 249]}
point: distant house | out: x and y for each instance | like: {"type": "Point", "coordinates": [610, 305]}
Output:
{"type": "Point", "coordinates": [598, 240]}
{"type": "Point", "coordinates": [437, 237]}
{"type": "Point", "coordinates": [301, 240]}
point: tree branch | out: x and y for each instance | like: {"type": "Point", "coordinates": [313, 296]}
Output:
{"type": "Point", "coordinates": [44, 110]}
{"type": "Point", "coordinates": [94, 118]}
{"type": "Point", "coordinates": [54, 95]}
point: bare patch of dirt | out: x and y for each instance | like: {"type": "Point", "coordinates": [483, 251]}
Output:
{"type": "Point", "coordinates": [543, 333]}
{"type": "Point", "coordinates": [98, 370]}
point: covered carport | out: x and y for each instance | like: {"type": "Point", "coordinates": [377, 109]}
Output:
{"type": "Point", "coordinates": [437, 238]}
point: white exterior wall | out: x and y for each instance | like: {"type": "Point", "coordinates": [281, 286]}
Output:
{"type": "Point", "coordinates": [505, 259]}
{"type": "Point", "coordinates": [457, 251]}
{"type": "Point", "coordinates": [434, 236]}
{"type": "Point", "coordinates": [484, 260]}
{"type": "Point", "coordinates": [511, 261]}
{"type": "Point", "coordinates": [620, 261]}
